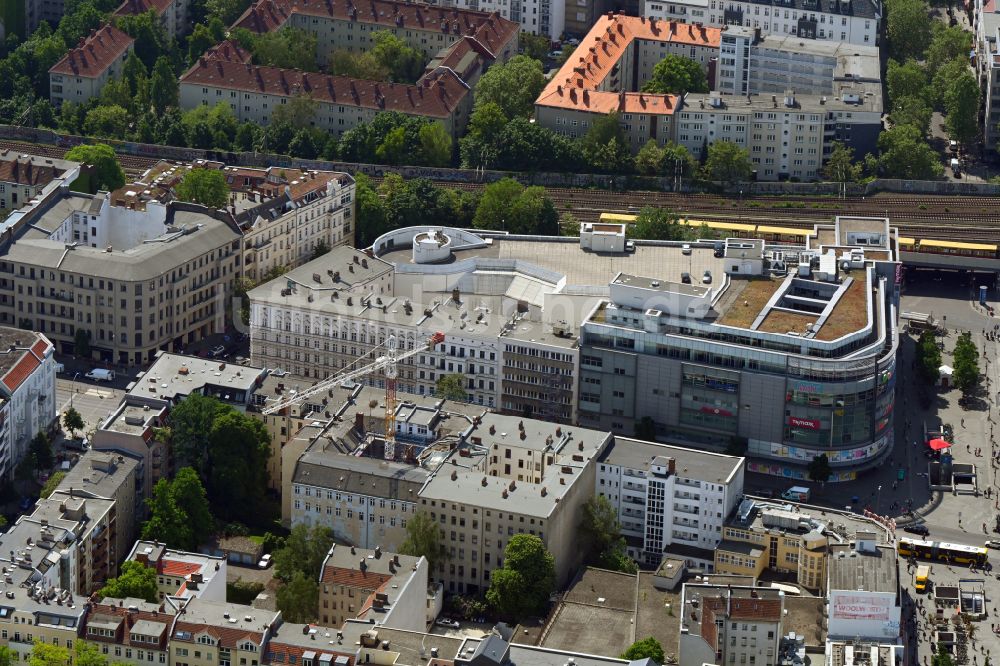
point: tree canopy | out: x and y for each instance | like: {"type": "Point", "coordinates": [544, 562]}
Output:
{"type": "Point", "coordinates": [522, 586]}
{"type": "Point", "coordinates": [509, 206]}
{"type": "Point", "coordinates": [135, 580]}
{"type": "Point", "coordinates": [451, 387]}
{"type": "Point", "coordinates": [647, 648]}
{"type": "Point", "coordinates": [966, 364]}
{"type": "Point", "coordinates": [178, 512]}
{"type": "Point", "coordinates": [51, 485]}
{"type": "Point", "coordinates": [727, 163]}
{"type": "Point", "coordinates": [908, 28]}
{"type": "Point", "coordinates": [602, 530]}
{"type": "Point", "coordinates": [819, 469]}
{"type": "Point", "coordinates": [297, 563]}
{"type": "Point", "coordinates": [204, 186]}
{"type": "Point", "coordinates": [425, 539]}
{"type": "Point", "coordinates": [905, 154]}
{"type": "Point", "coordinates": [677, 75]}
{"type": "Point", "coordinates": [928, 357]}
{"type": "Point", "coordinates": [513, 86]}
{"type": "Point", "coordinates": [105, 171]}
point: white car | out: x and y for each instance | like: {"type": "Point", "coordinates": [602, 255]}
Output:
{"type": "Point", "coordinates": [265, 562]}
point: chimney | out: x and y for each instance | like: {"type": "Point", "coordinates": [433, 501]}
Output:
{"type": "Point", "coordinates": [359, 422]}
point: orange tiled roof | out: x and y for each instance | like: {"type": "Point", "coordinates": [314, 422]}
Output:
{"type": "Point", "coordinates": [490, 29]}
{"type": "Point", "coordinates": [435, 95]}
{"type": "Point", "coordinates": [755, 609]}
{"type": "Point", "coordinates": [230, 51]}
{"type": "Point", "coordinates": [95, 53]}
{"type": "Point", "coordinates": [21, 371]}
{"type": "Point", "coordinates": [278, 653]}
{"type": "Point", "coordinates": [175, 568]}
{"type": "Point", "coordinates": [575, 85]}
{"type": "Point", "coordinates": [367, 580]}
{"type": "Point", "coordinates": [134, 7]}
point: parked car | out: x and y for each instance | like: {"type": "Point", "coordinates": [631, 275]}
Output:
{"type": "Point", "coordinates": [918, 528]}
{"type": "Point", "coordinates": [685, 249]}
{"type": "Point", "coordinates": [993, 543]}
{"type": "Point", "coordinates": [217, 351]}
{"type": "Point", "coordinates": [447, 622]}
{"type": "Point", "coordinates": [265, 561]}
{"type": "Point", "coordinates": [707, 277]}
{"type": "Point", "coordinates": [953, 146]}
{"type": "Point", "coordinates": [685, 278]}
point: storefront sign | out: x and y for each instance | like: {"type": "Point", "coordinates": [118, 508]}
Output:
{"type": "Point", "coordinates": [812, 424]}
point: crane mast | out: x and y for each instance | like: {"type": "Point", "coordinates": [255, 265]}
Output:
{"type": "Point", "coordinates": [391, 372]}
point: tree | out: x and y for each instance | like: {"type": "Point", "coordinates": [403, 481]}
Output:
{"type": "Point", "coordinates": [908, 29]}
{"type": "Point", "coordinates": [647, 648]}
{"type": "Point", "coordinates": [913, 111]}
{"type": "Point", "coordinates": [163, 85]}
{"type": "Point", "coordinates": [905, 80]}
{"type": "Point", "coordinates": [534, 46]}
{"type": "Point", "coordinates": [106, 121]}
{"type": "Point", "coordinates": [513, 86]}
{"type": "Point", "coordinates": [200, 41]}
{"type": "Point", "coordinates": [288, 48]}
{"type": "Point", "coordinates": [72, 421]}
{"type": "Point", "coordinates": [298, 599]}
{"type": "Point", "coordinates": [945, 78]}
{"type": "Point", "coordinates": [928, 357]}
{"type": "Point", "coordinates": [605, 146]}
{"type": "Point", "coordinates": [425, 539]}
{"type": "Point", "coordinates": [303, 552]}
{"type": "Point", "coordinates": [43, 654]}
{"type": "Point", "coordinates": [961, 103]}
{"type": "Point", "coordinates": [81, 342]}
{"type": "Point", "coordinates": [41, 451]}
{"type": "Point", "coordinates": [677, 75]}
{"type": "Point", "coordinates": [204, 186]}
{"type": "Point", "coordinates": [134, 580]}
{"type": "Point", "coordinates": [905, 154]}
{"type": "Point", "coordinates": [966, 362]}
{"type": "Point", "coordinates": [105, 171]}
{"type": "Point", "coordinates": [942, 658]}
{"type": "Point", "coordinates": [403, 63]}
{"type": "Point", "coordinates": [523, 585]}
{"type": "Point", "coordinates": [727, 163]}
{"type": "Point", "coordinates": [178, 512]}
{"type": "Point", "coordinates": [7, 656]}
{"type": "Point", "coordinates": [435, 145]}
{"type": "Point", "coordinates": [451, 387]}
{"type": "Point", "coordinates": [371, 212]}
{"type": "Point", "coordinates": [239, 446]}
{"type": "Point", "coordinates": [51, 485]}
{"type": "Point", "coordinates": [478, 148]}
{"type": "Point", "coordinates": [819, 469]}
{"type": "Point", "coordinates": [840, 166]}
{"type": "Point", "coordinates": [151, 42]}
{"type": "Point", "coordinates": [321, 248]}
{"type": "Point", "coordinates": [509, 206]}
{"type": "Point", "coordinates": [947, 44]}
{"type": "Point", "coordinates": [298, 113]}
{"type": "Point", "coordinates": [227, 11]}
{"type": "Point", "coordinates": [602, 531]}
{"type": "Point", "coordinates": [303, 145]}
{"type": "Point", "coordinates": [88, 654]}
{"type": "Point", "coordinates": [645, 428]}
{"type": "Point", "coordinates": [657, 224]}
{"type": "Point", "coordinates": [649, 159]}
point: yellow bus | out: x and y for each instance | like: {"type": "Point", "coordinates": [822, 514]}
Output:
{"type": "Point", "coordinates": [952, 553]}
{"type": "Point", "coordinates": [922, 578]}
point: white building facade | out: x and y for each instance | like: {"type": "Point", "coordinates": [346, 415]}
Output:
{"type": "Point", "coordinates": [27, 393]}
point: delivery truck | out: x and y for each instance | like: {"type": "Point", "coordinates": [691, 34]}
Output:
{"type": "Point", "coordinates": [796, 494]}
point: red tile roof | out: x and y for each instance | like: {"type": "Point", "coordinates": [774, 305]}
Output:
{"type": "Point", "coordinates": [95, 53]}
{"type": "Point", "coordinates": [21, 370]}
{"type": "Point", "coordinates": [366, 580]}
{"type": "Point", "coordinates": [26, 173]}
{"type": "Point", "coordinates": [133, 7]}
{"type": "Point", "coordinates": [755, 609]}
{"type": "Point", "coordinates": [575, 85]}
{"type": "Point", "coordinates": [278, 653]}
{"type": "Point", "coordinates": [175, 568]}
{"type": "Point", "coordinates": [130, 619]}
{"type": "Point", "coordinates": [229, 51]}
{"type": "Point", "coordinates": [435, 95]}
{"type": "Point", "coordinates": [493, 31]}
{"type": "Point", "coordinates": [228, 637]}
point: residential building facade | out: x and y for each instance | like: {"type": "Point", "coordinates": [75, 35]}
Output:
{"type": "Point", "coordinates": [670, 500]}
{"type": "Point", "coordinates": [27, 393]}
{"type": "Point", "coordinates": [23, 177]}
{"type": "Point", "coordinates": [730, 625]}
{"type": "Point", "coordinates": [81, 74]}
{"type": "Point", "coordinates": [131, 281]}
{"type": "Point", "coordinates": [180, 574]}
{"type": "Point", "coordinates": [853, 21]}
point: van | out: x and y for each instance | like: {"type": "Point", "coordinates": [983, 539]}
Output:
{"type": "Point", "coordinates": [956, 168]}
{"type": "Point", "coordinates": [796, 494]}
{"type": "Point", "coordinates": [922, 578]}
{"type": "Point", "coordinates": [101, 375]}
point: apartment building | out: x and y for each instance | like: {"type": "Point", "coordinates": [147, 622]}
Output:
{"type": "Point", "coordinates": [766, 536]}
{"type": "Point", "coordinates": [173, 14]}
{"type": "Point", "coordinates": [131, 281]}
{"type": "Point", "coordinates": [320, 318]}
{"type": "Point", "coordinates": [852, 21]}
{"type": "Point", "coordinates": [82, 72]}
{"type": "Point", "coordinates": [751, 62]}
{"type": "Point", "coordinates": [986, 61]}
{"type": "Point", "coordinates": [130, 430]}
{"type": "Point", "coordinates": [787, 135]}
{"type": "Point", "coordinates": [671, 501]}
{"type": "Point", "coordinates": [23, 177]}
{"type": "Point", "coordinates": [538, 17]}
{"type": "Point", "coordinates": [32, 611]}
{"type": "Point", "coordinates": [506, 476]}
{"type": "Point", "coordinates": [182, 575]}
{"type": "Point", "coordinates": [130, 631]}
{"type": "Point", "coordinates": [374, 585]}
{"type": "Point", "coordinates": [730, 624]}
{"type": "Point", "coordinates": [539, 366]}
{"type": "Point", "coordinates": [738, 360]}
{"type": "Point", "coordinates": [224, 75]}
{"type": "Point", "coordinates": [27, 393]}
{"type": "Point", "coordinates": [214, 633]}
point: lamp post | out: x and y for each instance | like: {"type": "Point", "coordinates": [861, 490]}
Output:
{"type": "Point", "coordinates": [878, 499]}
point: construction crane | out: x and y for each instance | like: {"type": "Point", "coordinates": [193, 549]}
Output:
{"type": "Point", "coordinates": [389, 363]}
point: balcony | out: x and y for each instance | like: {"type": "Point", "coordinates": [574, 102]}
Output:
{"type": "Point", "coordinates": [686, 509]}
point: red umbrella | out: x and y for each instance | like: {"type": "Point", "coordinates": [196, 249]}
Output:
{"type": "Point", "coordinates": [939, 444]}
